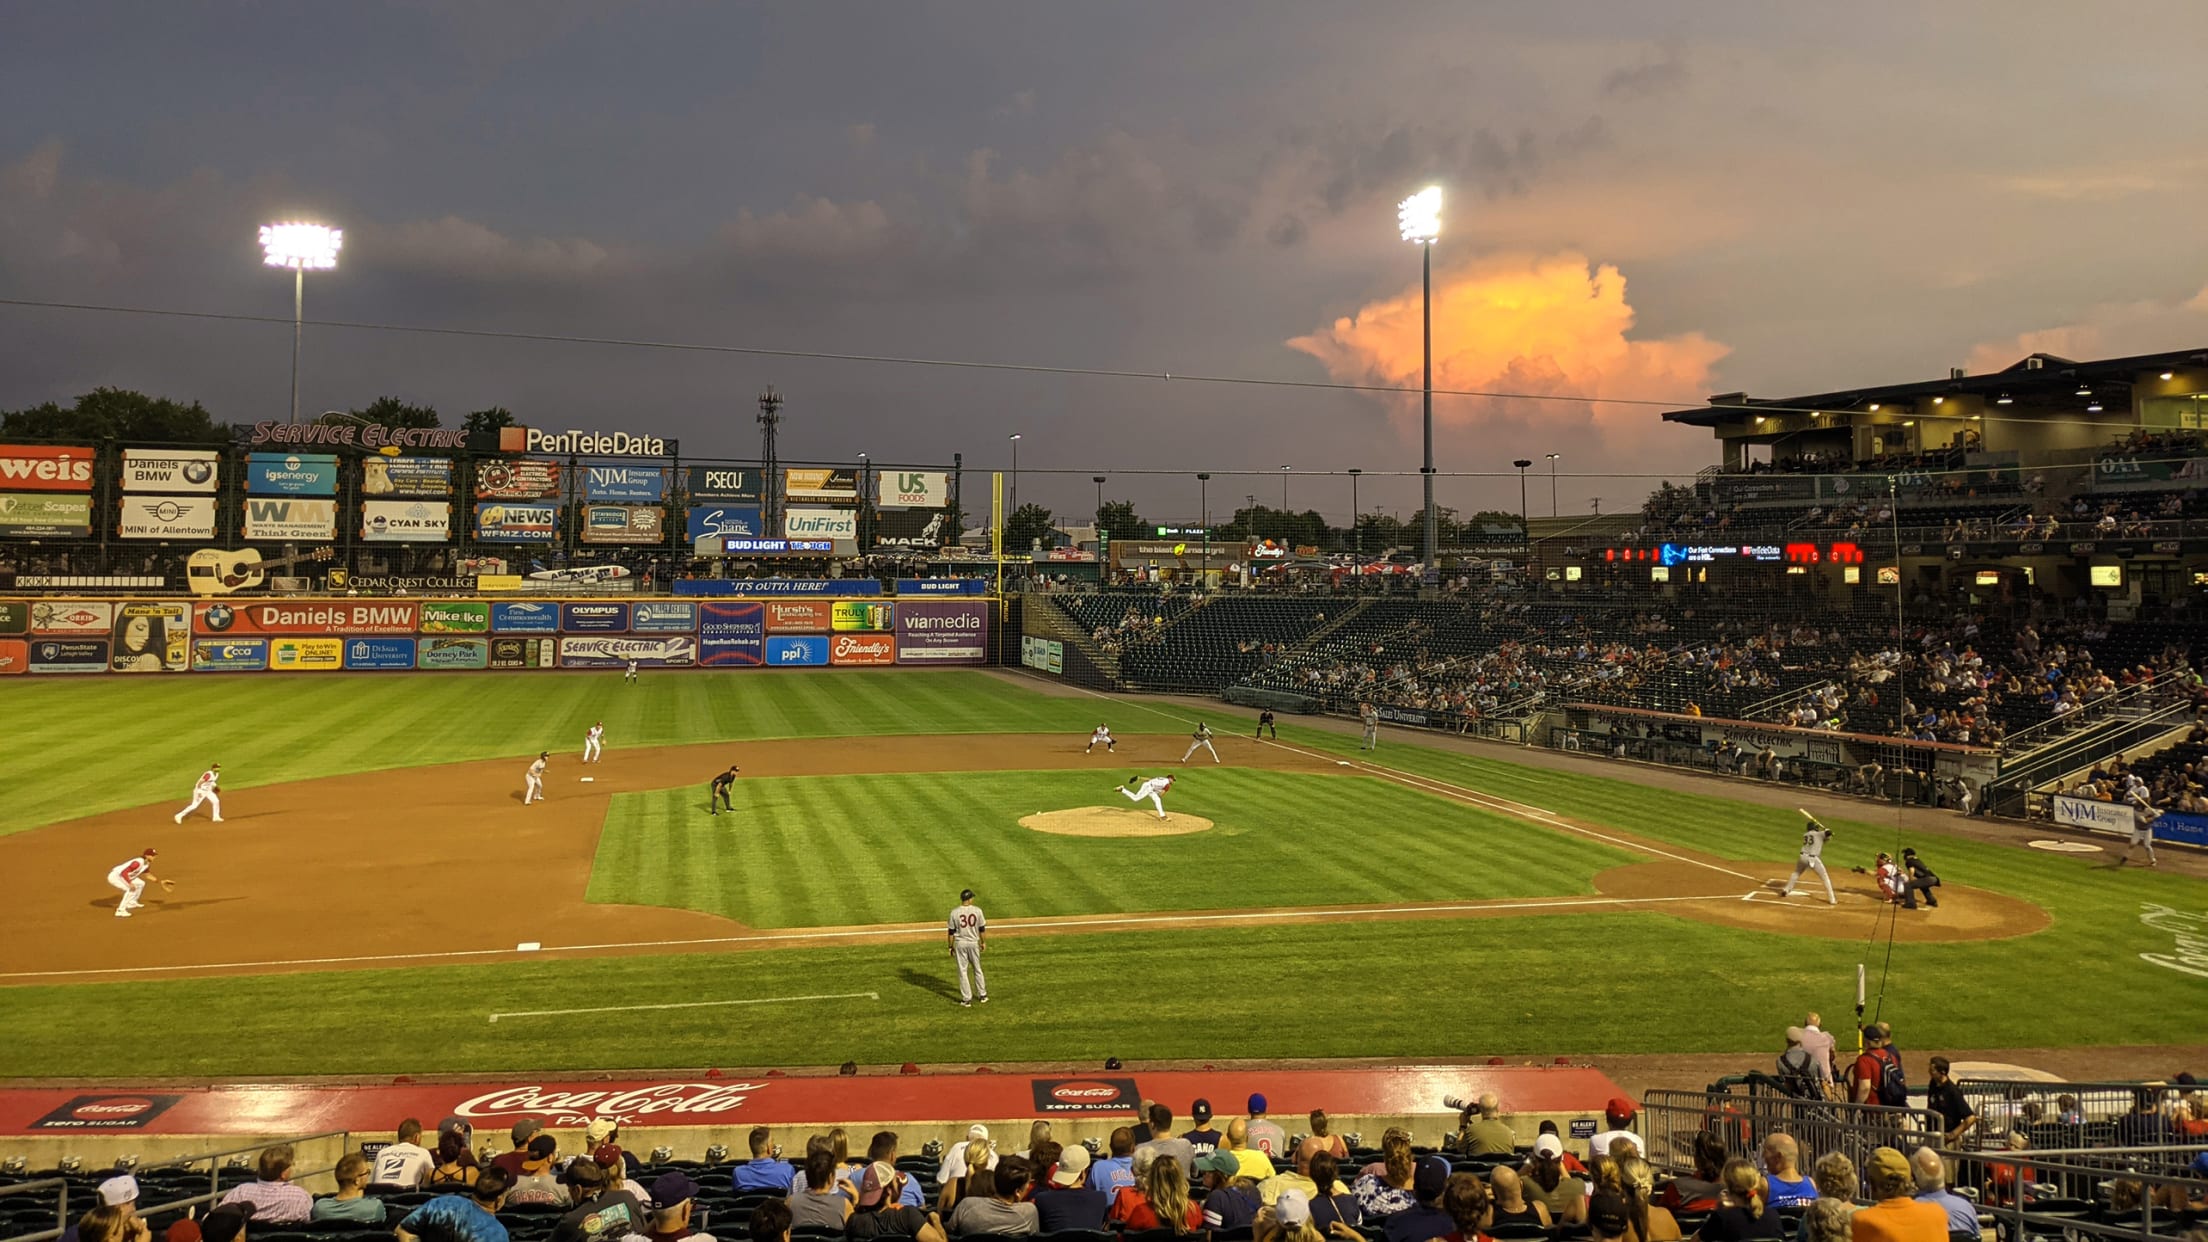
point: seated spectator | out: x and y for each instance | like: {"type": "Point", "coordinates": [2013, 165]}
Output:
{"type": "Point", "coordinates": [1001, 1212]}
{"type": "Point", "coordinates": [453, 1168]}
{"type": "Point", "coordinates": [882, 1211]}
{"type": "Point", "coordinates": [1571, 1162]}
{"type": "Point", "coordinates": [1931, 1176]}
{"type": "Point", "coordinates": [770, 1222]}
{"type": "Point", "coordinates": [1287, 1221]}
{"type": "Point", "coordinates": [1742, 1212]}
{"type": "Point", "coordinates": [1489, 1135]}
{"type": "Point", "coordinates": [1894, 1214]}
{"type": "Point", "coordinates": [1467, 1204]}
{"type": "Point", "coordinates": [1230, 1199]}
{"type": "Point", "coordinates": [538, 1185]}
{"type": "Point", "coordinates": [1509, 1204]}
{"type": "Point", "coordinates": [1389, 1191]}
{"type": "Point", "coordinates": [1066, 1200]}
{"type": "Point", "coordinates": [227, 1224]}
{"type": "Point", "coordinates": [404, 1164]}
{"type": "Point", "coordinates": [605, 1130]}
{"type": "Point", "coordinates": [275, 1200]}
{"type": "Point", "coordinates": [1698, 1191]}
{"type": "Point", "coordinates": [1256, 1165]}
{"type": "Point", "coordinates": [602, 1209]}
{"type": "Point", "coordinates": [838, 1146]}
{"type": "Point", "coordinates": [1116, 1171]}
{"type": "Point", "coordinates": [822, 1204]}
{"type": "Point", "coordinates": [1424, 1219]}
{"type": "Point", "coordinates": [471, 1217]}
{"type": "Point", "coordinates": [612, 1159]}
{"type": "Point", "coordinates": [1827, 1220]}
{"type": "Point", "coordinates": [1203, 1138]}
{"type": "Point", "coordinates": [672, 1193]}
{"type": "Point", "coordinates": [352, 1201]}
{"type": "Point", "coordinates": [1158, 1199]}
{"type": "Point", "coordinates": [958, 1162]}
{"type": "Point", "coordinates": [1332, 1203]}
{"type": "Point", "coordinates": [1322, 1138]}
{"type": "Point", "coordinates": [1163, 1141]}
{"type": "Point", "coordinates": [980, 1181]}
{"type": "Point", "coordinates": [1606, 1217]}
{"type": "Point", "coordinates": [1618, 1117]}
{"type": "Point", "coordinates": [110, 1224]}
{"type": "Point", "coordinates": [525, 1129]}
{"type": "Point", "coordinates": [1788, 1186]}
{"type": "Point", "coordinates": [1547, 1183]}
{"type": "Point", "coordinates": [1634, 1181]}
{"type": "Point", "coordinates": [763, 1171]}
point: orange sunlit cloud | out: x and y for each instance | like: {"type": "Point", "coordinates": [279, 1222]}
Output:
{"type": "Point", "coordinates": [1550, 325]}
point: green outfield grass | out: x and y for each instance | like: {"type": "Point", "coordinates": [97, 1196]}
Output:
{"type": "Point", "coordinates": [100, 744]}
{"type": "Point", "coordinates": [823, 851]}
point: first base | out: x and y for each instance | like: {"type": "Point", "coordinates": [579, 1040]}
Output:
{"type": "Point", "coordinates": [586, 779]}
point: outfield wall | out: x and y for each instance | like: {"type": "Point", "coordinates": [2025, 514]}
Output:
{"type": "Point", "coordinates": [122, 635]}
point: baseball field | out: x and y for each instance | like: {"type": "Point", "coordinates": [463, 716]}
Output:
{"type": "Point", "coordinates": [379, 900]}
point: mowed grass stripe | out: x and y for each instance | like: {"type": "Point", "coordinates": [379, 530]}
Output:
{"type": "Point", "coordinates": [88, 745]}
{"type": "Point", "coordinates": [828, 851]}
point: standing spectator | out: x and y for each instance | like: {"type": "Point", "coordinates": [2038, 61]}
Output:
{"type": "Point", "coordinates": [1425, 1218]}
{"type": "Point", "coordinates": [538, 1185]}
{"type": "Point", "coordinates": [1618, 1116]}
{"type": "Point", "coordinates": [352, 1202]}
{"type": "Point", "coordinates": [275, 1200]}
{"type": "Point", "coordinates": [1067, 1201]}
{"type": "Point", "coordinates": [1265, 1134]}
{"type": "Point", "coordinates": [1229, 1200]}
{"type": "Point", "coordinates": [882, 1211]}
{"type": "Point", "coordinates": [1490, 1135]}
{"type": "Point", "coordinates": [1942, 1096]}
{"type": "Point", "coordinates": [1332, 1204]}
{"type": "Point", "coordinates": [1116, 1171]}
{"type": "Point", "coordinates": [1742, 1212]}
{"type": "Point", "coordinates": [406, 1163]}
{"type": "Point", "coordinates": [1878, 1074]}
{"type": "Point", "coordinates": [1894, 1214]}
{"type": "Point", "coordinates": [1549, 1184]}
{"type": "Point", "coordinates": [1787, 1186]}
{"type": "Point", "coordinates": [1931, 1176]}
{"type": "Point", "coordinates": [1818, 1043]}
{"type": "Point", "coordinates": [1163, 1142]}
{"type": "Point", "coordinates": [525, 1129]}
{"type": "Point", "coordinates": [1203, 1138]}
{"type": "Point", "coordinates": [1001, 1212]}
{"type": "Point", "coordinates": [763, 1171]}
{"type": "Point", "coordinates": [602, 1212]}
{"type": "Point", "coordinates": [471, 1217]}
{"type": "Point", "coordinates": [821, 1205]}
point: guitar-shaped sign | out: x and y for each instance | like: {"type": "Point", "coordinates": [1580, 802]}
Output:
{"type": "Point", "coordinates": [214, 571]}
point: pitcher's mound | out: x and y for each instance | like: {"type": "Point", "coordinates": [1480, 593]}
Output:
{"type": "Point", "coordinates": [1105, 821]}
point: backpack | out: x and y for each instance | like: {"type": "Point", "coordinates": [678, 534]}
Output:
{"type": "Point", "coordinates": [1892, 1086]}
{"type": "Point", "coordinates": [1798, 1075]}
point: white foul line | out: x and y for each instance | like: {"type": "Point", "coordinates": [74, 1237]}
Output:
{"type": "Point", "coordinates": [756, 1000]}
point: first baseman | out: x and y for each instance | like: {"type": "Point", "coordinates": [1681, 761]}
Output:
{"type": "Point", "coordinates": [1104, 735]}
{"type": "Point", "coordinates": [206, 791]}
{"type": "Point", "coordinates": [1369, 716]}
{"type": "Point", "coordinates": [718, 801]}
{"type": "Point", "coordinates": [1812, 858]}
{"type": "Point", "coordinates": [967, 925]}
{"type": "Point", "coordinates": [1202, 741]}
{"type": "Point", "coordinates": [533, 791]}
{"type": "Point", "coordinates": [131, 877]}
{"type": "Point", "coordinates": [1149, 789]}
{"type": "Point", "coordinates": [594, 743]}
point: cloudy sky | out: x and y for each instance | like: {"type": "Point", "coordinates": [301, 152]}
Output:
{"type": "Point", "coordinates": [1649, 201]}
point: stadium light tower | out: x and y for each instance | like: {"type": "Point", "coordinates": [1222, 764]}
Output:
{"type": "Point", "coordinates": [1525, 527]}
{"type": "Point", "coordinates": [299, 246]}
{"type": "Point", "coordinates": [1420, 219]}
{"type": "Point", "coordinates": [1015, 504]}
{"type": "Point", "coordinates": [1284, 488]}
{"type": "Point", "coordinates": [1552, 483]}
{"type": "Point", "coordinates": [770, 482]}
{"type": "Point", "coordinates": [1203, 517]}
{"type": "Point", "coordinates": [1355, 529]}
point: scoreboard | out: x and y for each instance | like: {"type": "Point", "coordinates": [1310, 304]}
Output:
{"type": "Point", "coordinates": [1843, 553]}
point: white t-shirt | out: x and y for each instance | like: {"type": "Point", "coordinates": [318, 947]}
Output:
{"type": "Point", "coordinates": [402, 1164]}
{"type": "Point", "coordinates": [954, 1163]}
{"type": "Point", "coordinates": [1600, 1144]}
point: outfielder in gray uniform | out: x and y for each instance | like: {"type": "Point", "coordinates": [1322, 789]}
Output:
{"type": "Point", "coordinates": [967, 926]}
{"type": "Point", "coordinates": [1812, 858]}
{"type": "Point", "coordinates": [1370, 715]}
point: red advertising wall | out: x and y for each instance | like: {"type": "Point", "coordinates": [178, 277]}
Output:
{"type": "Point", "coordinates": [307, 617]}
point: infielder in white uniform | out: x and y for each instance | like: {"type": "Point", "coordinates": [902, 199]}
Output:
{"type": "Point", "coordinates": [594, 743]}
{"type": "Point", "coordinates": [1202, 741]}
{"type": "Point", "coordinates": [131, 877]}
{"type": "Point", "coordinates": [967, 926]}
{"type": "Point", "coordinates": [1149, 789]}
{"type": "Point", "coordinates": [1103, 736]}
{"type": "Point", "coordinates": [1812, 858]}
{"type": "Point", "coordinates": [533, 791]}
{"type": "Point", "coordinates": [207, 791]}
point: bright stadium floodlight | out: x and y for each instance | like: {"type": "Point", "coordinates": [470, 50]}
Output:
{"type": "Point", "coordinates": [299, 246]}
{"type": "Point", "coordinates": [1420, 216]}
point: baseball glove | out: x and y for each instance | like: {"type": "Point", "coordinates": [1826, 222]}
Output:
{"type": "Point", "coordinates": [168, 886]}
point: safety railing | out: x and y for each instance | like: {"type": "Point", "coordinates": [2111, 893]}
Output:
{"type": "Point", "coordinates": [183, 1164]}
{"type": "Point", "coordinates": [1742, 1119]}
{"type": "Point", "coordinates": [60, 1187]}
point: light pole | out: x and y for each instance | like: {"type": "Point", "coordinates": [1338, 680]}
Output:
{"type": "Point", "coordinates": [1015, 505]}
{"type": "Point", "coordinates": [299, 246]}
{"type": "Point", "coordinates": [866, 493]}
{"type": "Point", "coordinates": [770, 469]}
{"type": "Point", "coordinates": [1098, 479]}
{"type": "Point", "coordinates": [1552, 483]}
{"type": "Point", "coordinates": [1203, 516]}
{"type": "Point", "coordinates": [1356, 528]}
{"type": "Point", "coordinates": [1419, 216]}
{"type": "Point", "coordinates": [1284, 488]}
{"type": "Point", "coordinates": [1525, 528]}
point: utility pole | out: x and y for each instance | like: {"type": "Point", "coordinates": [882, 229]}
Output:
{"type": "Point", "coordinates": [770, 481]}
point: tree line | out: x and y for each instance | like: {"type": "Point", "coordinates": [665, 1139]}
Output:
{"type": "Point", "coordinates": [122, 414]}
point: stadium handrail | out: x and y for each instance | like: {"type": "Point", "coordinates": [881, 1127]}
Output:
{"type": "Point", "coordinates": [60, 1187]}
{"type": "Point", "coordinates": [214, 1180]}
{"type": "Point", "coordinates": [1766, 726]}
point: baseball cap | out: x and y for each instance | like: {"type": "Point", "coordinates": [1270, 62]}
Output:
{"type": "Point", "coordinates": [541, 1150]}
{"type": "Point", "coordinates": [1293, 1208]}
{"type": "Point", "coordinates": [966, 894]}
{"type": "Point", "coordinates": [599, 1131]}
{"type": "Point", "coordinates": [1073, 1167]}
{"type": "Point", "coordinates": [1200, 1111]}
{"type": "Point", "coordinates": [1431, 1178]}
{"type": "Point", "coordinates": [977, 1133]}
{"type": "Point", "coordinates": [186, 1230]}
{"type": "Point", "coordinates": [1889, 1164]}
{"type": "Point", "coordinates": [1549, 1145]}
{"type": "Point", "coordinates": [1606, 1212]}
{"type": "Point", "coordinates": [1221, 1162]}
{"type": "Point", "coordinates": [525, 1129]}
{"type": "Point", "coordinates": [225, 1223]}
{"type": "Point", "coordinates": [118, 1190]}
{"type": "Point", "coordinates": [1257, 1103]}
{"type": "Point", "coordinates": [607, 1156]}
{"type": "Point", "coordinates": [875, 1183]}
{"type": "Point", "coordinates": [455, 1122]}
{"type": "Point", "coordinates": [672, 1189]}
{"type": "Point", "coordinates": [1619, 1107]}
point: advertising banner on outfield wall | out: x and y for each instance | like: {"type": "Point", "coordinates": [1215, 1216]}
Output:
{"type": "Point", "coordinates": [862, 614]}
{"type": "Point", "coordinates": [525, 618]}
{"type": "Point", "coordinates": [2093, 813]}
{"type": "Point", "coordinates": [1047, 654]}
{"type": "Point", "coordinates": [942, 586]}
{"type": "Point", "coordinates": [768, 587]}
{"type": "Point", "coordinates": [913, 489]}
{"type": "Point", "coordinates": [379, 653]}
{"type": "Point", "coordinates": [507, 522]}
{"type": "Point", "coordinates": [306, 655]}
{"type": "Point", "coordinates": [229, 655]}
{"type": "Point", "coordinates": [914, 528]}
{"type": "Point", "coordinates": [319, 617]}
{"type": "Point", "coordinates": [517, 480]}
{"type": "Point", "coordinates": [862, 649]}
{"type": "Point", "coordinates": [309, 521]}
{"type": "Point", "coordinates": [170, 470]}
{"type": "Point", "coordinates": [732, 633]}
{"type": "Point", "coordinates": [291, 474]}
{"type": "Point", "coordinates": [25, 515]}
{"type": "Point", "coordinates": [797, 651]}
{"type": "Point", "coordinates": [15, 616]}
{"type": "Point", "coordinates": [654, 617]}
{"type": "Point", "coordinates": [523, 653]}
{"type": "Point", "coordinates": [15, 656]}
{"type": "Point", "coordinates": [167, 517]}
{"type": "Point", "coordinates": [594, 618]}
{"type": "Point", "coordinates": [821, 484]}
{"type": "Point", "coordinates": [45, 468]}
{"type": "Point", "coordinates": [612, 651]}
{"type": "Point", "coordinates": [69, 655]}
{"type": "Point", "coordinates": [455, 617]}
{"type": "Point", "coordinates": [942, 631]}
{"type": "Point", "coordinates": [151, 637]}
{"type": "Point", "coordinates": [820, 524]}
{"type": "Point", "coordinates": [405, 476]}
{"type": "Point", "coordinates": [453, 653]}
{"type": "Point", "coordinates": [800, 616]}
{"type": "Point", "coordinates": [604, 482]}
{"type": "Point", "coordinates": [624, 524]}
{"type": "Point", "coordinates": [405, 521]}
{"type": "Point", "coordinates": [706, 525]}
{"type": "Point", "coordinates": [72, 616]}
{"type": "Point", "coordinates": [724, 483]}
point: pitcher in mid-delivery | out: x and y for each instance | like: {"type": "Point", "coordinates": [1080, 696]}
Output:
{"type": "Point", "coordinates": [1150, 789]}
